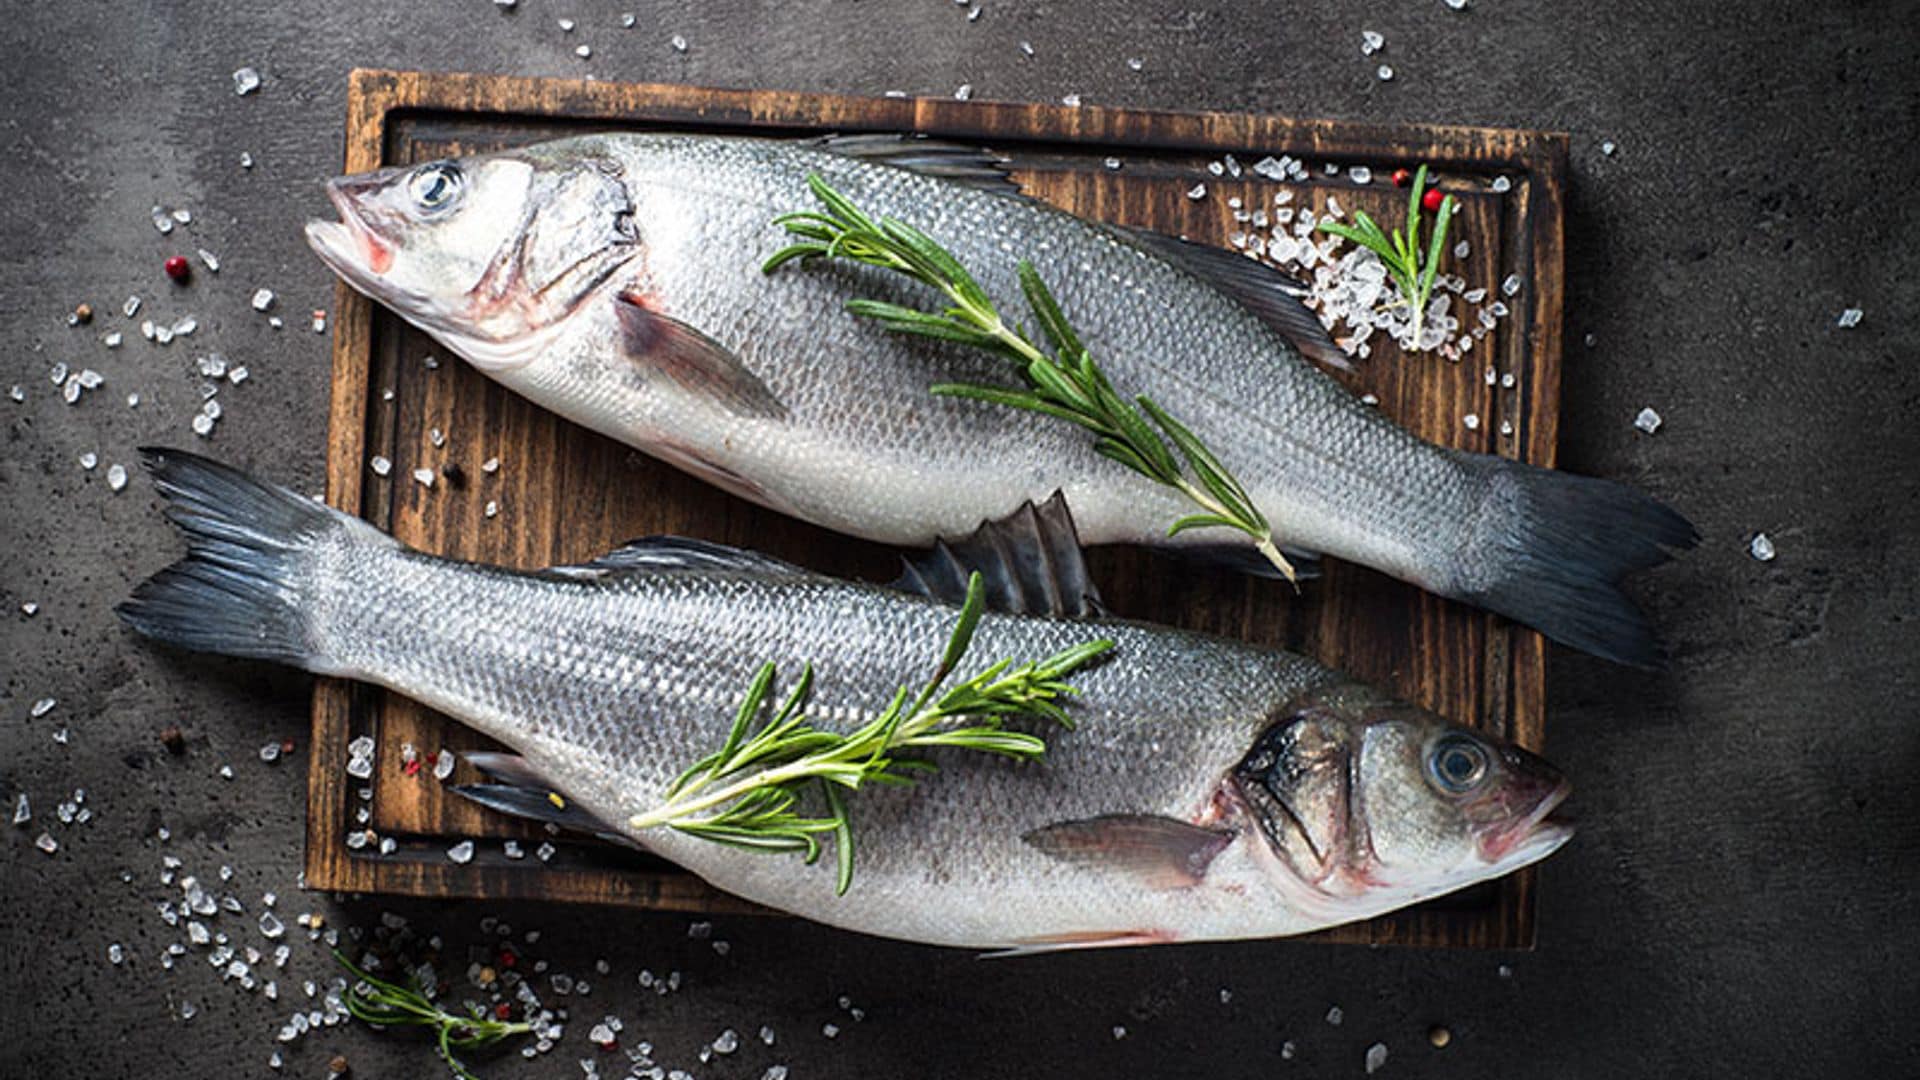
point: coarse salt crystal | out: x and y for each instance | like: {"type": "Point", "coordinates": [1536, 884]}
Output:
{"type": "Point", "coordinates": [1335, 1015]}
{"type": "Point", "coordinates": [1608, 148]}
{"type": "Point", "coordinates": [209, 258]}
{"type": "Point", "coordinates": [1360, 174]}
{"type": "Point", "coordinates": [45, 842]}
{"type": "Point", "coordinates": [1376, 1057]}
{"type": "Point", "coordinates": [1502, 184]}
{"type": "Point", "coordinates": [584, 52]}
{"type": "Point", "coordinates": [1371, 42]}
{"type": "Point", "coordinates": [1197, 192]}
{"type": "Point", "coordinates": [493, 508]}
{"type": "Point", "coordinates": [246, 81]}
{"type": "Point", "coordinates": [963, 92]}
{"type": "Point", "coordinates": [424, 476]}
{"type": "Point", "coordinates": [1648, 421]}
{"type": "Point", "coordinates": [88, 460]}
{"type": "Point", "coordinates": [116, 476]}
{"type": "Point", "coordinates": [566, 26]}
{"type": "Point", "coordinates": [42, 707]}
{"type": "Point", "coordinates": [380, 465]}
{"type": "Point", "coordinates": [443, 765]}
{"type": "Point", "coordinates": [262, 299]}
{"type": "Point", "coordinates": [1071, 101]}
{"type": "Point", "coordinates": [1384, 72]}
{"type": "Point", "coordinates": [1761, 548]}
{"type": "Point", "coordinates": [679, 43]}
{"type": "Point", "coordinates": [1849, 318]}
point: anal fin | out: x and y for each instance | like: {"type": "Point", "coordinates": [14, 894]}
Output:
{"type": "Point", "coordinates": [1029, 563]}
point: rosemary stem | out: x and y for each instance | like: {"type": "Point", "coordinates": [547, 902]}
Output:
{"type": "Point", "coordinates": [1262, 540]}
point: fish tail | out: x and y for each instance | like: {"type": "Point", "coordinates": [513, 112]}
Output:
{"type": "Point", "coordinates": [248, 582]}
{"type": "Point", "coordinates": [1551, 551]}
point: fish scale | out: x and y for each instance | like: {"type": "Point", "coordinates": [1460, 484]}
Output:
{"type": "Point", "coordinates": [640, 310]}
{"type": "Point", "coordinates": [1142, 821]}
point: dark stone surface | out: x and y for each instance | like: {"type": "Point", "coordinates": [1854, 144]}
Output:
{"type": "Point", "coordinates": [1742, 898]}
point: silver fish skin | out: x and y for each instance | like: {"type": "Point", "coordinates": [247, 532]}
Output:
{"type": "Point", "coordinates": [616, 280]}
{"type": "Point", "coordinates": [1208, 790]}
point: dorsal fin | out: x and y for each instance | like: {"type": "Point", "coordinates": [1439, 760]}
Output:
{"type": "Point", "coordinates": [671, 554]}
{"type": "Point", "coordinates": [969, 166]}
{"type": "Point", "coordinates": [1272, 295]}
{"type": "Point", "coordinates": [1029, 563]}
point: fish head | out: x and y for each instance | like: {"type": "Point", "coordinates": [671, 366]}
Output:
{"type": "Point", "coordinates": [1366, 804]}
{"type": "Point", "coordinates": [488, 253]}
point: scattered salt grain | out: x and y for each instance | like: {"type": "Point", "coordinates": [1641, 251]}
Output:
{"type": "Point", "coordinates": [424, 476]}
{"type": "Point", "coordinates": [584, 52]}
{"type": "Point", "coordinates": [490, 466]}
{"type": "Point", "coordinates": [1457, 5]}
{"type": "Point", "coordinates": [1071, 101]}
{"type": "Point", "coordinates": [246, 160]}
{"type": "Point", "coordinates": [774, 1072]}
{"type": "Point", "coordinates": [831, 1031]}
{"type": "Point", "coordinates": [461, 852]}
{"type": "Point", "coordinates": [1385, 72]}
{"type": "Point", "coordinates": [629, 20]}
{"type": "Point", "coordinates": [443, 765]}
{"type": "Point", "coordinates": [1509, 287]}
{"type": "Point", "coordinates": [246, 81]}
{"type": "Point", "coordinates": [1026, 47]}
{"type": "Point", "coordinates": [1287, 1050]}
{"type": "Point", "coordinates": [566, 26]}
{"type": "Point", "coordinates": [493, 508]}
{"type": "Point", "coordinates": [727, 1043]}
{"type": "Point", "coordinates": [1197, 192]}
{"type": "Point", "coordinates": [45, 842]}
{"type": "Point", "coordinates": [319, 321]}
{"type": "Point", "coordinates": [29, 609]}
{"type": "Point", "coordinates": [1502, 184]}
{"type": "Point", "coordinates": [42, 707]}
{"type": "Point", "coordinates": [262, 299]}
{"type": "Point", "coordinates": [22, 810]}
{"type": "Point", "coordinates": [133, 400]}
{"type": "Point", "coordinates": [1761, 548]}
{"type": "Point", "coordinates": [1376, 1057]}
{"type": "Point", "coordinates": [116, 476]}
{"type": "Point", "coordinates": [544, 852]}
{"type": "Point", "coordinates": [1849, 318]}
{"type": "Point", "coordinates": [1648, 421]}
{"type": "Point", "coordinates": [1371, 42]}
{"type": "Point", "coordinates": [1119, 1031]}
{"type": "Point", "coordinates": [116, 955]}
{"type": "Point", "coordinates": [16, 393]}
{"type": "Point", "coordinates": [88, 460]}
{"type": "Point", "coordinates": [380, 465]}
{"type": "Point", "coordinates": [238, 374]}
{"type": "Point", "coordinates": [209, 258]}
{"type": "Point", "coordinates": [1472, 421]}
{"type": "Point", "coordinates": [1335, 1015]}
{"type": "Point", "coordinates": [1360, 174]}
{"type": "Point", "coordinates": [964, 92]}
{"type": "Point", "coordinates": [679, 43]}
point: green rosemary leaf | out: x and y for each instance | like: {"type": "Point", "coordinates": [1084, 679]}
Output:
{"type": "Point", "coordinates": [842, 839]}
{"type": "Point", "coordinates": [1046, 310]}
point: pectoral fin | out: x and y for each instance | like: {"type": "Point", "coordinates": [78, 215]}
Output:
{"type": "Point", "coordinates": [1158, 852]}
{"type": "Point", "coordinates": [692, 360]}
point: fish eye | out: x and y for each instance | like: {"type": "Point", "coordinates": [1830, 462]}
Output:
{"type": "Point", "coordinates": [435, 187]}
{"type": "Point", "coordinates": [1457, 763]}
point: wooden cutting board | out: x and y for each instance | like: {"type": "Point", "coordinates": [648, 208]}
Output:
{"type": "Point", "coordinates": [564, 495]}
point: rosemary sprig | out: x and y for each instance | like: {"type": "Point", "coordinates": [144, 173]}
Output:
{"type": "Point", "coordinates": [1064, 383]}
{"type": "Point", "coordinates": [386, 1004]}
{"type": "Point", "coordinates": [1400, 251]}
{"type": "Point", "coordinates": [748, 792]}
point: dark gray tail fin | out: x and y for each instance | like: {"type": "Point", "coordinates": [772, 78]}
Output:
{"type": "Point", "coordinates": [244, 586]}
{"type": "Point", "coordinates": [1557, 547]}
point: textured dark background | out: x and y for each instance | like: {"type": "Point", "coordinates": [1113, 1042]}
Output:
{"type": "Point", "coordinates": [1741, 898]}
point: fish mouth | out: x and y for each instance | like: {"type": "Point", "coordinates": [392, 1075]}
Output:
{"type": "Point", "coordinates": [1532, 837]}
{"type": "Point", "coordinates": [351, 247]}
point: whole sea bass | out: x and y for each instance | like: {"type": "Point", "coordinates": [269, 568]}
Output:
{"type": "Point", "coordinates": [616, 280]}
{"type": "Point", "coordinates": [1208, 789]}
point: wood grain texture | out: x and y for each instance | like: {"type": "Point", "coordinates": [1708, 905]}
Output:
{"type": "Point", "coordinates": [565, 494]}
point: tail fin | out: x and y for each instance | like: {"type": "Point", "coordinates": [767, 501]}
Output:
{"type": "Point", "coordinates": [1554, 549]}
{"type": "Point", "coordinates": [244, 587]}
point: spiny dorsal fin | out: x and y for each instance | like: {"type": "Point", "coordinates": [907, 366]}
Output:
{"type": "Point", "coordinates": [1272, 295]}
{"type": "Point", "coordinates": [1029, 563]}
{"type": "Point", "coordinates": [1156, 852]}
{"type": "Point", "coordinates": [968, 166]}
{"type": "Point", "coordinates": [675, 554]}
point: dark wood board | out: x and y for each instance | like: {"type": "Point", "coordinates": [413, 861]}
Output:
{"type": "Point", "coordinates": [565, 494]}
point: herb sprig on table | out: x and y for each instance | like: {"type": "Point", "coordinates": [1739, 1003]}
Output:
{"type": "Point", "coordinates": [387, 1004]}
{"type": "Point", "coordinates": [1061, 377]}
{"type": "Point", "coordinates": [1400, 250]}
{"type": "Point", "coordinates": [748, 793]}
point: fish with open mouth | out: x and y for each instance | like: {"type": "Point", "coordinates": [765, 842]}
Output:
{"type": "Point", "coordinates": [1208, 790]}
{"type": "Point", "coordinates": [616, 280]}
